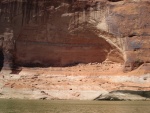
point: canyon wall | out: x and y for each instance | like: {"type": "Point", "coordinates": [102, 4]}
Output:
{"type": "Point", "coordinates": [66, 33]}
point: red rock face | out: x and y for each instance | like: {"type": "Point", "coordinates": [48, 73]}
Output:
{"type": "Point", "coordinates": [68, 33]}
{"type": "Point", "coordinates": [65, 39]}
{"type": "Point", "coordinates": [109, 35]}
{"type": "Point", "coordinates": [64, 52]}
{"type": "Point", "coordinates": [130, 21]}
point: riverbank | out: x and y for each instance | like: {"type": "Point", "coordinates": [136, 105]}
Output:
{"type": "Point", "coordinates": [81, 82]}
{"type": "Point", "coordinates": [72, 106]}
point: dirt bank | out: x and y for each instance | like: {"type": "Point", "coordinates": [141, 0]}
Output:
{"type": "Point", "coordinates": [84, 82]}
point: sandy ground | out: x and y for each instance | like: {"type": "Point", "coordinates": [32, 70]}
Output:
{"type": "Point", "coordinates": [76, 82]}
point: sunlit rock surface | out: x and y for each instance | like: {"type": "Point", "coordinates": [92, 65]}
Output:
{"type": "Point", "coordinates": [105, 37]}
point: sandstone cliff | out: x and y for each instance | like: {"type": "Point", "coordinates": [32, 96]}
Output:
{"type": "Point", "coordinates": [61, 33]}
{"type": "Point", "coordinates": [107, 37]}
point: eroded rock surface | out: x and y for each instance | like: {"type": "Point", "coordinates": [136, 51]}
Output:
{"type": "Point", "coordinates": [83, 82]}
{"type": "Point", "coordinates": [100, 39]}
{"type": "Point", "coordinates": [64, 33]}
